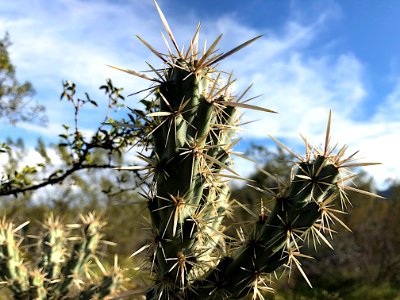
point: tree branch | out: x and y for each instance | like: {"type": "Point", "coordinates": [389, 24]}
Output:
{"type": "Point", "coordinates": [53, 180]}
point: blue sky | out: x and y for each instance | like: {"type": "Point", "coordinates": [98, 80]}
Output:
{"type": "Point", "coordinates": [314, 56]}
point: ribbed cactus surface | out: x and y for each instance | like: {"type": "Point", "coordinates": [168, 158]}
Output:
{"type": "Point", "coordinates": [58, 268]}
{"type": "Point", "coordinates": [192, 128]}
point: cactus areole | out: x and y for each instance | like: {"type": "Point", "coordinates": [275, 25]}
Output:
{"type": "Point", "coordinates": [191, 131]}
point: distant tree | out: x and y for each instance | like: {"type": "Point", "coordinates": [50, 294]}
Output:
{"type": "Point", "coordinates": [15, 97]}
{"type": "Point", "coordinates": [377, 235]}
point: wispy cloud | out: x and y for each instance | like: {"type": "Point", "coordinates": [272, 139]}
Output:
{"type": "Point", "coordinates": [303, 86]}
{"type": "Point", "coordinates": [72, 39]}
{"type": "Point", "coordinates": [59, 40]}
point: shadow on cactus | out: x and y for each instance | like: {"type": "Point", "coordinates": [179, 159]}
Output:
{"type": "Point", "coordinates": [56, 270]}
{"type": "Point", "coordinates": [191, 132]}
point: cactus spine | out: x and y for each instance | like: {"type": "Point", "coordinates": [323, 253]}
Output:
{"type": "Point", "coordinates": [59, 273]}
{"type": "Point", "coordinates": [192, 128]}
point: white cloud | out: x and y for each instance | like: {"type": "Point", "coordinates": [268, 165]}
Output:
{"type": "Point", "coordinates": [303, 88]}
{"type": "Point", "coordinates": [73, 39]}
{"type": "Point", "coordinates": [59, 40]}
{"type": "Point", "coordinates": [389, 110]}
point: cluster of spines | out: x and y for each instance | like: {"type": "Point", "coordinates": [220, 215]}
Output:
{"type": "Point", "coordinates": [60, 272]}
{"type": "Point", "coordinates": [192, 133]}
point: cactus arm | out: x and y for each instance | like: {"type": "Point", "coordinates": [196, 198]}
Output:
{"type": "Point", "coordinates": [38, 289]}
{"type": "Point", "coordinates": [273, 238]}
{"type": "Point", "coordinates": [12, 270]}
{"type": "Point", "coordinates": [81, 253]}
{"type": "Point", "coordinates": [53, 247]}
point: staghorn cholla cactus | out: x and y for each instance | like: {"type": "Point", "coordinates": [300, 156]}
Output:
{"type": "Point", "coordinates": [190, 129]}
{"type": "Point", "coordinates": [55, 271]}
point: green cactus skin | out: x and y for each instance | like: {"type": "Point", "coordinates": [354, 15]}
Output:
{"type": "Point", "coordinates": [60, 273]}
{"type": "Point", "coordinates": [192, 132]}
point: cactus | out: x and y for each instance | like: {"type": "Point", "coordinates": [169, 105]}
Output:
{"type": "Point", "coordinates": [191, 129]}
{"type": "Point", "coordinates": [59, 273]}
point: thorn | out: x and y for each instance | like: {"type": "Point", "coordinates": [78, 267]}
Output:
{"type": "Point", "coordinates": [167, 28]}
{"type": "Point", "coordinates": [328, 132]}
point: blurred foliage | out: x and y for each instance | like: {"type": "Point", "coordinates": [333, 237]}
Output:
{"type": "Point", "coordinates": [60, 264]}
